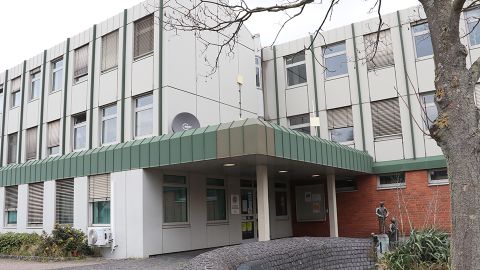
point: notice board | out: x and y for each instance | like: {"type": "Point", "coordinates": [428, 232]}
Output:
{"type": "Point", "coordinates": [310, 203]}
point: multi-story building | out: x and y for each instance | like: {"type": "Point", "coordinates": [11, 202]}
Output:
{"type": "Point", "coordinates": [118, 127]}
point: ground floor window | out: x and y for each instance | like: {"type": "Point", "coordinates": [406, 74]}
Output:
{"type": "Point", "coordinates": [64, 201]}
{"type": "Point", "coordinates": [101, 212]}
{"type": "Point", "coordinates": [438, 176]}
{"type": "Point", "coordinates": [175, 199]}
{"type": "Point", "coordinates": [11, 200]}
{"type": "Point", "coordinates": [392, 180]}
{"type": "Point", "coordinates": [281, 196]}
{"type": "Point", "coordinates": [99, 198]}
{"type": "Point", "coordinates": [216, 200]}
{"type": "Point", "coordinates": [347, 185]}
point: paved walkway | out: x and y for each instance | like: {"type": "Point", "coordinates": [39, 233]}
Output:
{"type": "Point", "coordinates": [173, 261]}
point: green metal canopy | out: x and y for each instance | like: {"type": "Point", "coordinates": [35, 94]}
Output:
{"type": "Point", "coordinates": [234, 139]}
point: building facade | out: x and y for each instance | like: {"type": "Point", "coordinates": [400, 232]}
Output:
{"type": "Point", "coordinates": [118, 127]}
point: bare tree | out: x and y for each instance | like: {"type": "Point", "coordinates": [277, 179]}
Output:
{"type": "Point", "coordinates": [457, 128]}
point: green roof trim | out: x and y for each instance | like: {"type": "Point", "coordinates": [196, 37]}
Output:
{"type": "Point", "coordinates": [238, 138]}
{"type": "Point", "coordinates": [403, 165]}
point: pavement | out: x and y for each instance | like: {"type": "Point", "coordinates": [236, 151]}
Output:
{"type": "Point", "coordinates": [172, 261]}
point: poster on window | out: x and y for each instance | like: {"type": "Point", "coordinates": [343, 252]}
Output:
{"type": "Point", "coordinates": [235, 204]}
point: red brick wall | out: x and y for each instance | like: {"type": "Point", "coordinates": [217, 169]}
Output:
{"type": "Point", "coordinates": [419, 204]}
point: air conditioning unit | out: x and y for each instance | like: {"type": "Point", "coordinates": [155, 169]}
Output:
{"type": "Point", "coordinates": [101, 237]}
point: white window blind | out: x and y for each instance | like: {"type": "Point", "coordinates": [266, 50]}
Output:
{"type": "Point", "coordinates": [64, 201]}
{"type": "Point", "coordinates": [16, 84]}
{"type": "Point", "coordinates": [383, 56]}
{"type": "Point", "coordinates": [340, 118]}
{"type": "Point", "coordinates": [12, 148]}
{"type": "Point", "coordinates": [143, 39]}
{"type": "Point", "coordinates": [53, 139]}
{"type": "Point", "coordinates": [110, 51]}
{"type": "Point", "coordinates": [31, 143]}
{"type": "Point", "coordinates": [81, 62]}
{"type": "Point", "coordinates": [99, 188]}
{"type": "Point", "coordinates": [386, 118]}
{"type": "Point", "coordinates": [11, 198]}
{"type": "Point", "coordinates": [35, 204]}
{"type": "Point", "coordinates": [477, 95]}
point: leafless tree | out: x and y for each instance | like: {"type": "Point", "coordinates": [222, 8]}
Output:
{"type": "Point", "coordinates": [457, 128]}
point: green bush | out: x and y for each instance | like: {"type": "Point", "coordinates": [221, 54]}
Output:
{"type": "Point", "coordinates": [64, 241]}
{"type": "Point", "coordinates": [426, 249]}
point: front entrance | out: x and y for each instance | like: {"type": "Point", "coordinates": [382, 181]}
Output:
{"type": "Point", "coordinates": [248, 199]}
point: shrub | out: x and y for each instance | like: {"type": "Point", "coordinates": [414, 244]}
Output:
{"type": "Point", "coordinates": [426, 249]}
{"type": "Point", "coordinates": [19, 243]}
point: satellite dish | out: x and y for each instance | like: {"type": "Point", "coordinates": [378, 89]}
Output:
{"type": "Point", "coordinates": [184, 121]}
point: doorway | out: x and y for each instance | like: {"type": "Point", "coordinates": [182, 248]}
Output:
{"type": "Point", "coordinates": [248, 210]}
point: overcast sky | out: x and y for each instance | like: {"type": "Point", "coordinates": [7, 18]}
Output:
{"type": "Point", "coordinates": [28, 27]}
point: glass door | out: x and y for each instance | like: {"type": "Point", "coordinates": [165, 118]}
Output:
{"type": "Point", "coordinates": [248, 207]}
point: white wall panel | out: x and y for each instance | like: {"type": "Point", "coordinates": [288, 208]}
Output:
{"type": "Point", "coordinates": [389, 150]}
{"type": "Point", "coordinates": [13, 119]}
{"type": "Point", "coordinates": [217, 235]}
{"type": "Point", "coordinates": [78, 97]}
{"type": "Point", "coordinates": [54, 110]}
{"type": "Point", "coordinates": [176, 239]}
{"type": "Point", "coordinates": [31, 114]}
{"type": "Point", "coordinates": [382, 84]}
{"type": "Point", "coordinates": [337, 93]}
{"type": "Point", "coordinates": [180, 58]}
{"type": "Point", "coordinates": [228, 113]}
{"type": "Point", "coordinates": [142, 76]}
{"type": "Point", "coordinates": [49, 197]}
{"type": "Point", "coordinates": [431, 147]}
{"type": "Point", "coordinates": [22, 208]}
{"type": "Point", "coordinates": [297, 101]}
{"type": "Point", "coordinates": [80, 203]}
{"type": "Point", "coordinates": [208, 112]}
{"type": "Point", "coordinates": [426, 75]}
{"type": "Point", "coordinates": [108, 87]}
{"type": "Point", "coordinates": [177, 101]}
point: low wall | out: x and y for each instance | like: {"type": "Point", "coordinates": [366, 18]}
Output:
{"type": "Point", "coordinates": [290, 253]}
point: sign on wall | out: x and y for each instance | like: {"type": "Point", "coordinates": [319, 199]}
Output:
{"type": "Point", "coordinates": [235, 204]}
{"type": "Point", "coordinates": [310, 203]}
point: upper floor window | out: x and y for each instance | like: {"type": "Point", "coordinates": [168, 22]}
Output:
{"type": "Point", "coordinates": [386, 118]}
{"type": "Point", "coordinates": [476, 95]}
{"type": "Point", "coordinates": [53, 140]}
{"type": "Point", "coordinates": [423, 41]}
{"type": "Point", "coordinates": [79, 131]}
{"type": "Point", "coordinates": [99, 189]}
{"type": "Point", "coordinates": [438, 176]}
{"type": "Point", "coordinates": [16, 95]}
{"type": "Point", "coordinates": [1, 98]}
{"type": "Point", "coordinates": [393, 180]}
{"type": "Point", "coordinates": [216, 200]}
{"type": "Point", "coordinates": [430, 112]}
{"type": "Point", "coordinates": [258, 71]}
{"type": "Point", "coordinates": [80, 68]}
{"type": "Point", "coordinates": [31, 143]}
{"type": "Point", "coordinates": [472, 16]}
{"type": "Point", "coordinates": [379, 49]}
{"type": "Point", "coordinates": [110, 51]}
{"type": "Point", "coordinates": [296, 69]}
{"type": "Point", "coordinates": [109, 124]}
{"type": "Point", "coordinates": [144, 116]}
{"type": "Point", "coordinates": [340, 124]}
{"type": "Point", "coordinates": [34, 84]}
{"type": "Point", "coordinates": [12, 148]}
{"type": "Point", "coordinates": [11, 202]}
{"type": "Point", "coordinates": [335, 59]}
{"type": "Point", "coordinates": [300, 123]}
{"type": "Point", "coordinates": [143, 36]}
{"type": "Point", "coordinates": [57, 75]}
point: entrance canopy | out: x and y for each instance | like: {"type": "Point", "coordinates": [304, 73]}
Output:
{"type": "Point", "coordinates": [236, 147]}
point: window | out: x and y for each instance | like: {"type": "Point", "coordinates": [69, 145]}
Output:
{"type": "Point", "coordinates": [258, 71]}
{"type": "Point", "coordinates": [345, 185]}
{"type": "Point", "coordinates": [109, 124]}
{"type": "Point", "coordinates": [281, 200]}
{"type": "Point", "coordinates": [394, 180]}
{"type": "Point", "coordinates": [472, 16]}
{"type": "Point", "coordinates": [11, 200]}
{"type": "Point", "coordinates": [422, 39]}
{"type": "Point", "coordinates": [79, 131]}
{"type": "Point", "coordinates": [1, 98]}
{"type": "Point", "coordinates": [31, 143]}
{"type": "Point", "coordinates": [57, 75]}
{"type": "Point", "coordinates": [476, 95]}
{"type": "Point", "coordinates": [383, 56]}
{"type": "Point", "coordinates": [35, 204]}
{"type": "Point", "coordinates": [216, 200]}
{"type": "Point", "coordinates": [53, 143]}
{"type": "Point", "coordinates": [99, 198]}
{"type": "Point", "coordinates": [12, 148]}
{"type": "Point", "coordinates": [143, 39]}
{"type": "Point", "coordinates": [80, 69]}
{"type": "Point", "coordinates": [296, 69]}
{"type": "Point", "coordinates": [34, 84]}
{"type": "Point", "coordinates": [438, 176]}
{"type": "Point", "coordinates": [430, 112]}
{"type": "Point", "coordinates": [335, 59]}
{"type": "Point", "coordinates": [64, 201]}
{"type": "Point", "coordinates": [175, 199]}
{"type": "Point", "coordinates": [340, 124]}
{"type": "Point", "coordinates": [300, 123]}
{"type": "Point", "coordinates": [144, 116]}
{"type": "Point", "coordinates": [110, 51]}
{"type": "Point", "coordinates": [16, 97]}
{"type": "Point", "coordinates": [386, 118]}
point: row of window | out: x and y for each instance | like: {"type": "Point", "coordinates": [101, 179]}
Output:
{"type": "Point", "coordinates": [143, 45]}
{"type": "Point", "coordinates": [143, 127]}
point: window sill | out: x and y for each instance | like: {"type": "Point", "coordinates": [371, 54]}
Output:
{"type": "Point", "coordinates": [388, 138]}
{"type": "Point", "coordinates": [100, 225]}
{"type": "Point", "coordinates": [56, 91]}
{"type": "Point", "coordinates": [33, 99]}
{"type": "Point", "coordinates": [11, 108]}
{"type": "Point", "coordinates": [336, 77]}
{"type": "Point", "coordinates": [10, 227]}
{"type": "Point", "coordinates": [108, 70]}
{"type": "Point", "coordinates": [143, 137]}
{"type": "Point", "coordinates": [33, 227]}
{"type": "Point", "coordinates": [108, 144]}
{"type": "Point", "coordinates": [291, 87]}
{"type": "Point", "coordinates": [418, 59]}
{"type": "Point", "coordinates": [143, 56]}
{"type": "Point", "coordinates": [391, 187]}
{"type": "Point", "coordinates": [440, 183]}
{"type": "Point", "coordinates": [80, 79]}
{"type": "Point", "coordinates": [217, 223]}
{"type": "Point", "coordinates": [176, 225]}
{"type": "Point", "coordinates": [380, 68]}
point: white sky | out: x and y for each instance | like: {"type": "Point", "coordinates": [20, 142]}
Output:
{"type": "Point", "coordinates": [27, 27]}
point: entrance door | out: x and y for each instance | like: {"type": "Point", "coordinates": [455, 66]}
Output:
{"type": "Point", "coordinates": [248, 199]}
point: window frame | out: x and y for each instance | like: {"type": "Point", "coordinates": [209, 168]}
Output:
{"type": "Point", "coordinates": [57, 147]}
{"type": "Point", "coordinates": [104, 118]}
{"type": "Point", "coordinates": [2, 92]}
{"type": "Point", "coordinates": [216, 187]}
{"type": "Point", "coordinates": [9, 136]}
{"type": "Point", "coordinates": [402, 184]}
{"type": "Point", "coordinates": [277, 188]}
{"type": "Point", "coordinates": [57, 200]}
{"type": "Point", "coordinates": [54, 71]}
{"type": "Point", "coordinates": [15, 94]}
{"type": "Point", "coordinates": [104, 69]}
{"type": "Point", "coordinates": [146, 54]}
{"type": "Point", "coordinates": [141, 109]}
{"type": "Point", "coordinates": [83, 76]}
{"type": "Point", "coordinates": [92, 202]}
{"type": "Point", "coordinates": [186, 186]}
{"type": "Point", "coordinates": [295, 64]}
{"type": "Point", "coordinates": [330, 55]}
{"type": "Point", "coordinates": [27, 157]}
{"type": "Point", "coordinates": [7, 211]}
{"type": "Point", "coordinates": [420, 33]}
{"type": "Point", "coordinates": [33, 72]}
{"type": "Point", "coordinates": [426, 120]}
{"type": "Point", "coordinates": [258, 72]}
{"type": "Point", "coordinates": [467, 22]}
{"type": "Point", "coordinates": [299, 127]}
{"type": "Point", "coordinates": [439, 182]}
{"type": "Point", "coordinates": [29, 224]}
{"type": "Point", "coordinates": [75, 127]}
